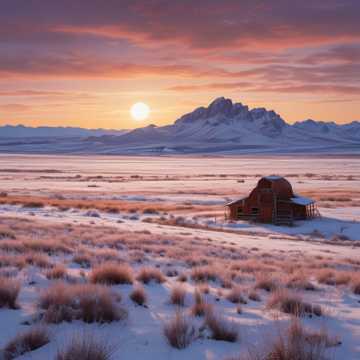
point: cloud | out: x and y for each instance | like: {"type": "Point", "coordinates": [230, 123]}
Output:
{"type": "Point", "coordinates": [213, 86]}
{"type": "Point", "coordinates": [349, 53]}
{"type": "Point", "coordinates": [243, 86]}
{"type": "Point", "coordinates": [78, 66]}
{"type": "Point", "coordinates": [182, 46]}
{"type": "Point", "coordinates": [204, 24]}
{"type": "Point", "coordinates": [14, 108]}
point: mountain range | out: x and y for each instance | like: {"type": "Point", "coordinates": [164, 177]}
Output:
{"type": "Point", "coordinates": [223, 127]}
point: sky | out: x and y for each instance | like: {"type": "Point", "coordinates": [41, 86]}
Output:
{"type": "Point", "coordinates": [85, 62]}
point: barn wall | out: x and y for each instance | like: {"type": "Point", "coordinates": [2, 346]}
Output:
{"type": "Point", "coordinates": [262, 198]}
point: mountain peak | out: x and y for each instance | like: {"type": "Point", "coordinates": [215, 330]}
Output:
{"type": "Point", "coordinates": [224, 112]}
{"type": "Point", "coordinates": [220, 105]}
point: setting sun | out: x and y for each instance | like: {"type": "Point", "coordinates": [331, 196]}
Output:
{"type": "Point", "coordinates": [140, 111]}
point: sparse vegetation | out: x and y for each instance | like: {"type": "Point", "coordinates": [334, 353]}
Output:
{"type": "Point", "coordinates": [138, 295]}
{"type": "Point", "coordinates": [57, 272]}
{"type": "Point", "coordinates": [148, 274]}
{"type": "Point", "coordinates": [295, 342]}
{"type": "Point", "coordinates": [26, 341]}
{"type": "Point", "coordinates": [179, 331]}
{"type": "Point", "coordinates": [235, 296]}
{"type": "Point", "coordinates": [198, 264]}
{"type": "Point", "coordinates": [292, 304]}
{"type": "Point", "coordinates": [86, 347]}
{"type": "Point", "coordinates": [87, 302]}
{"type": "Point", "coordinates": [177, 295]}
{"type": "Point", "coordinates": [221, 328]}
{"type": "Point", "coordinates": [9, 291]}
{"type": "Point", "coordinates": [111, 274]}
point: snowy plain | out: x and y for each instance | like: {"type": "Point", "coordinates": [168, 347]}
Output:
{"type": "Point", "coordinates": [186, 196]}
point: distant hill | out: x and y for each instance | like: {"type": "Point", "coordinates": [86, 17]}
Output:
{"type": "Point", "coordinates": [223, 127]}
{"type": "Point", "coordinates": [21, 131]}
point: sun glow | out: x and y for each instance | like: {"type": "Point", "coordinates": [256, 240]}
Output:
{"type": "Point", "coordinates": [140, 111]}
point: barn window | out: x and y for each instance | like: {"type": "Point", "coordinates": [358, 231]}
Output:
{"type": "Point", "coordinates": [254, 210]}
{"type": "Point", "coordinates": [239, 211]}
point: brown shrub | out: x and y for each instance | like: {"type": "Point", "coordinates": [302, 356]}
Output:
{"type": "Point", "coordinates": [177, 295]}
{"type": "Point", "coordinates": [87, 302]}
{"type": "Point", "coordinates": [27, 341]}
{"type": "Point", "coordinates": [57, 272]}
{"type": "Point", "coordinates": [356, 285]}
{"type": "Point", "coordinates": [204, 273]}
{"type": "Point", "coordinates": [221, 329]}
{"type": "Point", "coordinates": [86, 347]}
{"type": "Point", "coordinates": [148, 274]}
{"type": "Point", "coordinates": [333, 277]}
{"type": "Point", "coordinates": [111, 273]}
{"type": "Point", "coordinates": [34, 204]}
{"type": "Point", "coordinates": [138, 296]}
{"type": "Point", "coordinates": [182, 277]}
{"type": "Point", "coordinates": [179, 331]}
{"type": "Point", "coordinates": [235, 296]}
{"type": "Point", "coordinates": [12, 260]}
{"type": "Point", "coordinates": [39, 260]}
{"type": "Point", "coordinates": [84, 260]}
{"type": "Point", "coordinates": [300, 282]}
{"type": "Point", "coordinates": [9, 291]}
{"type": "Point", "coordinates": [200, 307]}
{"type": "Point", "coordinates": [294, 343]}
{"type": "Point", "coordinates": [47, 246]}
{"type": "Point", "coordinates": [292, 304]}
{"type": "Point", "coordinates": [254, 296]}
{"type": "Point", "coordinates": [266, 283]}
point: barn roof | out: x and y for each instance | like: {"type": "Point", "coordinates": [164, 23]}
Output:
{"type": "Point", "coordinates": [301, 200]}
{"type": "Point", "coordinates": [273, 177]}
{"type": "Point", "coordinates": [236, 201]}
{"type": "Point", "coordinates": [281, 187]}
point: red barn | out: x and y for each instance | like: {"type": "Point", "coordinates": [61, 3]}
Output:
{"type": "Point", "coordinates": [272, 201]}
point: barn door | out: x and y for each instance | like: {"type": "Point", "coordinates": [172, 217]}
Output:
{"type": "Point", "coordinates": [266, 201]}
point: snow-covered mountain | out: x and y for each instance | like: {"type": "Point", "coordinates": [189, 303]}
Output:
{"type": "Point", "coordinates": [21, 131]}
{"type": "Point", "coordinates": [223, 127]}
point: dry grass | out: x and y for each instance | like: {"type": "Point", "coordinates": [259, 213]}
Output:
{"type": "Point", "coordinates": [111, 274]}
{"type": "Point", "coordinates": [266, 283]}
{"type": "Point", "coordinates": [86, 347]}
{"type": "Point", "coordinates": [182, 278]}
{"type": "Point", "coordinates": [333, 277]}
{"type": "Point", "coordinates": [27, 341]}
{"type": "Point", "coordinates": [204, 273]}
{"type": "Point", "coordinates": [87, 302]}
{"type": "Point", "coordinates": [110, 206]}
{"type": "Point", "coordinates": [138, 295]}
{"type": "Point", "coordinates": [292, 304]}
{"type": "Point", "coordinates": [57, 272]}
{"type": "Point", "coordinates": [200, 307]}
{"type": "Point", "coordinates": [148, 274]}
{"type": "Point", "coordinates": [179, 331]}
{"type": "Point", "coordinates": [9, 291]}
{"type": "Point", "coordinates": [300, 282]}
{"type": "Point", "coordinates": [254, 296]}
{"type": "Point", "coordinates": [355, 286]}
{"type": "Point", "coordinates": [294, 343]}
{"type": "Point", "coordinates": [38, 259]}
{"type": "Point", "coordinates": [84, 260]}
{"type": "Point", "coordinates": [235, 296]}
{"type": "Point", "coordinates": [221, 328]}
{"type": "Point", "coordinates": [177, 295]}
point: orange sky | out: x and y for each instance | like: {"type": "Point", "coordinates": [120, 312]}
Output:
{"type": "Point", "coordinates": [85, 63]}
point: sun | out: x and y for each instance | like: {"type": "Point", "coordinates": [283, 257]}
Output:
{"type": "Point", "coordinates": [140, 111]}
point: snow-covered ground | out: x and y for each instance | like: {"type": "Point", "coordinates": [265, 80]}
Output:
{"type": "Point", "coordinates": [204, 184]}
